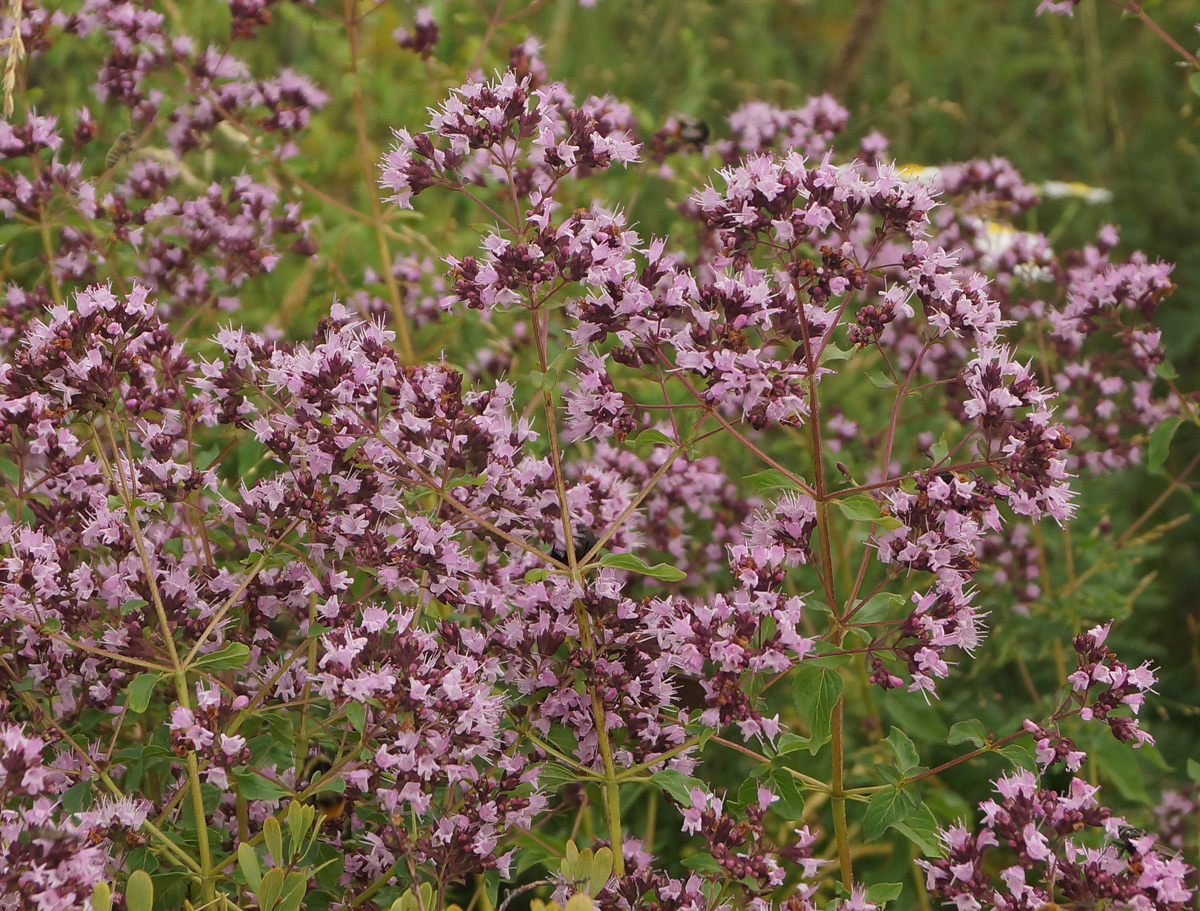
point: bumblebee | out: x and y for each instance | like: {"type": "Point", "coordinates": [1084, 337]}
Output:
{"type": "Point", "coordinates": [330, 804]}
{"type": "Point", "coordinates": [122, 147]}
{"type": "Point", "coordinates": [692, 131]}
{"type": "Point", "coordinates": [584, 541]}
{"type": "Point", "coordinates": [1126, 842]}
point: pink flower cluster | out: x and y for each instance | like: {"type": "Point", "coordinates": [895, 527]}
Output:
{"type": "Point", "coordinates": [1049, 857]}
{"type": "Point", "coordinates": [50, 861]}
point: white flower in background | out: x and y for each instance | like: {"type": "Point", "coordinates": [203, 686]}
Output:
{"type": "Point", "coordinates": [994, 240]}
{"type": "Point", "coordinates": [916, 172]}
{"type": "Point", "coordinates": [1058, 189]}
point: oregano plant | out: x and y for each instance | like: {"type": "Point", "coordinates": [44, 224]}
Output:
{"type": "Point", "coordinates": [560, 560]}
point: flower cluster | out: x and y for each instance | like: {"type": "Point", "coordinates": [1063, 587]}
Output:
{"type": "Point", "coordinates": [423, 37]}
{"type": "Point", "coordinates": [46, 863]}
{"type": "Point", "coordinates": [491, 119]}
{"type": "Point", "coordinates": [1045, 832]}
{"type": "Point", "coordinates": [759, 127]}
{"type": "Point", "coordinates": [1176, 816]}
{"type": "Point", "coordinates": [1111, 685]}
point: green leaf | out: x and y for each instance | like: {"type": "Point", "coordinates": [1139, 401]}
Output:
{"type": "Point", "coordinates": [890, 774]}
{"type": "Point", "coordinates": [790, 804]}
{"type": "Point", "coordinates": [970, 731]}
{"type": "Point", "coordinates": [1148, 752]}
{"type": "Point", "coordinates": [150, 751]}
{"type": "Point", "coordinates": [748, 792]}
{"type": "Point", "coordinates": [537, 574]}
{"type": "Point", "coordinates": [254, 787]}
{"type": "Point", "coordinates": [232, 657]}
{"type": "Point", "coordinates": [357, 713]}
{"type": "Point", "coordinates": [1193, 770]}
{"type": "Point", "coordinates": [920, 827]}
{"type": "Point", "coordinates": [299, 820]}
{"type": "Point", "coordinates": [905, 750]}
{"type": "Point", "coordinates": [652, 435]}
{"type": "Point", "coordinates": [884, 892]}
{"type": "Point", "coordinates": [1160, 442]}
{"type": "Point", "coordinates": [834, 353]}
{"type": "Point", "coordinates": [886, 807]}
{"type": "Point", "coordinates": [102, 897]}
{"type": "Point", "coordinates": [815, 689]}
{"type": "Point", "coordinates": [1118, 762]}
{"type": "Point", "coordinates": [270, 888]}
{"type": "Point", "coordinates": [635, 565]}
{"type": "Point", "coordinates": [939, 450]}
{"type": "Point", "coordinates": [771, 479]}
{"type": "Point", "coordinates": [139, 892]}
{"type": "Point", "coordinates": [1166, 371]}
{"type": "Point", "coordinates": [273, 836]}
{"type": "Point", "coordinates": [170, 890]}
{"type": "Point", "coordinates": [881, 380]}
{"type": "Point", "coordinates": [470, 481]}
{"type": "Point", "coordinates": [789, 742]}
{"type": "Point", "coordinates": [248, 864]}
{"type": "Point", "coordinates": [879, 606]}
{"type": "Point", "coordinates": [1019, 755]}
{"type": "Point", "coordinates": [677, 785]}
{"type": "Point", "coordinates": [293, 891]}
{"type": "Point", "coordinates": [491, 885]}
{"type": "Point", "coordinates": [77, 797]}
{"type": "Point", "coordinates": [139, 691]}
{"type": "Point", "coordinates": [602, 865]}
{"type": "Point", "coordinates": [863, 508]}
{"type": "Point", "coordinates": [554, 774]}
{"type": "Point", "coordinates": [702, 863]}
{"type": "Point", "coordinates": [333, 862]}
{"type": "Point", "coordinates": [1194, 83]}
{"type": "Point", "coordinates": [570, 859]}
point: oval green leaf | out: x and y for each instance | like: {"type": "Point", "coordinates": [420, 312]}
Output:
{"type": "Point", "coordinates": [139, 891]}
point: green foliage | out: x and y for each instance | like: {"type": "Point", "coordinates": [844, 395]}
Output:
{"type": "Point", "coordinates": [635, 564]}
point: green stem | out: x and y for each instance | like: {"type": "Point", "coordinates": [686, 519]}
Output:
{"type": "Point", "coordinates": [612, 789]}
{"type": "Point", "coordinates": [661, 757]}
{"type": "Point", "coordinates": [838, 795]}
{"type": "Point", "coordinates": [48, 246]}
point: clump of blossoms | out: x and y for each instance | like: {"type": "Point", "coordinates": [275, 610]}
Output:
{"type": "Point", "coordinates": [1060, 847]}
{"type": "Point", "coordinates": [48, 861]}
{"type": "Point", "coordinates": [1176, 819]}
{"type": "Point", "coordinates": [580, 534]}
{"type": "Point", "coordinates": [423, 36]}
{"type": "Point", "coordinates": [135, 191]}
